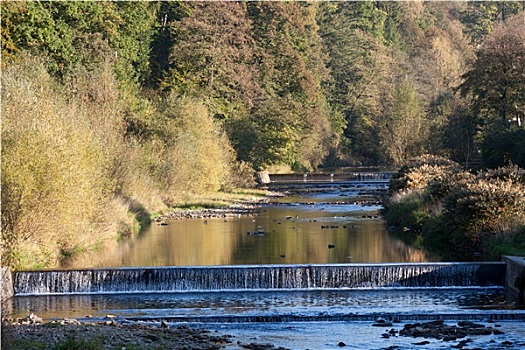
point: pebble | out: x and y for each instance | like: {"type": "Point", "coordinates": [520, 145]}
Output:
{"type": "Point", "coordinates": [118, 337]}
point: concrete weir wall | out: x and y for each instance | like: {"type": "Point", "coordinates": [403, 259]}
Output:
{"type": "Point", "coordinates": [6, 283]}
{"type": "Point", "coordinates": [515, 277]}
{"type": "Point", "coordinates": [6, 290]}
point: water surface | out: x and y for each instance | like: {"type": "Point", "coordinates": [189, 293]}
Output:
{"type": "Point", "coordinates": [334, 224]}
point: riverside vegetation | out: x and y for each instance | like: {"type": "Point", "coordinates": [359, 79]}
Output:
{"type": "Point", "coordinates": [459, 214]}
{"type": "Point", "coordinates": [114, 112]}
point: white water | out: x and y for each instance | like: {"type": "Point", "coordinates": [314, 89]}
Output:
{"type": "Point", "coordinates": [259, 277]}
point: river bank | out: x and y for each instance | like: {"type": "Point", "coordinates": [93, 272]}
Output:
{"type": "Point", "coordinates": [228, 205]}
{"type": "Point", "coordinates": [69, 334]}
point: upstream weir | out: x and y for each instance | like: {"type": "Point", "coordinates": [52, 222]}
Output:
{"type": "Point", "coordinates": [259, 278]}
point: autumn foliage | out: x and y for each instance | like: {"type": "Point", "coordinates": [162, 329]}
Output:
{"type": "Point", "coordinates": [455, 212]}
{"type": "Point", "coordinates": [113, 111]}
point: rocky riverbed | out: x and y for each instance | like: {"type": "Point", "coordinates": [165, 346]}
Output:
{"type": "Point", "coordinates": [69, 334]}
{"type": "Point", "coordinates": [246, 207]}
{"type": "Point", "coordinates": [463, 333]}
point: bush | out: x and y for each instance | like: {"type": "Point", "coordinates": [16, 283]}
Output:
{"type": "Point", "coordinates": [54, 170]}
{"type": "Point", "coordinates": [477, 211]}
{"type": "Point", "coordinates": [459, 213]}
{"type": "Point", "coordinates": [509, 244]}
{"type": "Point", "coordinates": [416, 173]}
{"type": "Point", "coordinates": [188, 152]}
{"type": "Point", "coordinates": [75, 177]}
{"type": "Point", "coordinates": [406, 212]}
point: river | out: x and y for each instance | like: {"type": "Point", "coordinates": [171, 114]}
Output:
{"type": "Point", "coordinates": [322, 224]}
{"type": "Point", "coordinates": [334, 223]}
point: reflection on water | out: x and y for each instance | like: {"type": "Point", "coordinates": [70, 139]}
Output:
{"type": "Point", "coordinates": [318, 227]}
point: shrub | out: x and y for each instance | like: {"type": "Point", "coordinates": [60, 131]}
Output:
{"type": "Point", "coordinates": [74, 176]}
{"type": "Point", "coordinates": [189, 152]}
{"type": "Point", "coordinates": [53, 168]}
{"type": "Point", "coordinates": [416, 173]}
{"type": "Point", "coordinates": [406, 212]}
{"type": "Point", "coordinates": [476, 211]}
{"type": "Point", "coordinates": [458, 212]}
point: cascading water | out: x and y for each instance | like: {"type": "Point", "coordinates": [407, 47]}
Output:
{"type": "Point", "coordinates": [334, 177]}
{"type": "Point", "coordinates": [283, 304]}
{"type": "Point", "coordinates": [262, 277]}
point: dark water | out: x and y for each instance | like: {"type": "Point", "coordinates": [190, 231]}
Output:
{"type": "Point", "coordinates": [293, 234]}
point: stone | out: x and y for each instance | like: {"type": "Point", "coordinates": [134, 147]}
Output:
{"type": "Point", "coordinates": [263, 177]}
{"type": "Point", "coordinates": [341, 344]}
{"type": "Point", "coordinates": [436, 322]}
{"type": "Point", "coordinates": [424, 342]}
{"type": "Point", "coordinates": [382, 324]}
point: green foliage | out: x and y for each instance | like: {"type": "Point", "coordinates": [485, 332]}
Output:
{"type": "Point", "coordinates": [476, 211]}
{"type": "Point", "coordinates": [72, 343]}
{"type": "Point", "coordinates": [192, 153]}
{"type": "Point", "coordinates": [404, 131]}
{"type": "Point", "coordinates": [352, 34]}
{"type": "Point", "coordinates": [480, 17]}
{"type": "Point", "coordinates": [23, 344]}
{"type": "Point", "coordinates": [508, 244]}
{"type": "Point", "coordinates": [406, 213]}
{"type": "Point", "coordinates": [496, 80]}
{"type": "Point", "coordinates": [502, 148]}
{"type": "Point", "coordinates": [418, 172]}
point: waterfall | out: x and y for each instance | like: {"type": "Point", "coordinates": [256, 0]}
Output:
{"type": "Point", "coordinates": [260, 277]}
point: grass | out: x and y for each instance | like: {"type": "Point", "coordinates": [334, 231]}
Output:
{"type": "Point", "coordinates": [24, 344]}
{"type": "Point", "coordinates": [219, 200]}
{"type": "Point", "coordinates": [513, 244]}
{"type": "Point", "coordinates": [79, 344]}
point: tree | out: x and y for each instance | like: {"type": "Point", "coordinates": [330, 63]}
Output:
{"type": "Point", "coordinates": [291, 63]}
{"type": "Point", "coordinates": [212, 57]}
{"type": "Point", "coordinates": [480, 17]}
{"type": "Point", "coordinates": [359, 64]}
{"type": "Point", "coordinates": [494, 86]}
{"type": "Point", "coordinates": [404, 130]}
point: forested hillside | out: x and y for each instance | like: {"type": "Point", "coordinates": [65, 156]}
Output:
{"type": "Point", "coordinates": [117, 109]}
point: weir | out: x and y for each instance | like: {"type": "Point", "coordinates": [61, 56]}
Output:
{"type": "Point", "coordinates": [384, 176]}
{"type": "Point", "coordinates": [259, 277]}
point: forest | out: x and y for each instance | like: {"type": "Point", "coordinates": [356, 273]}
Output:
{"type": "Point", "coordinates": [115, 111]}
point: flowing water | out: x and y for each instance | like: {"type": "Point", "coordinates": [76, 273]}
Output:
{"type": "Point", "coordinates": [322, 273]}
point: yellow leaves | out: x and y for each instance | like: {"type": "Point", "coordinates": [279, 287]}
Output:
{"type": "Point", "coordinates": [54, 160]}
